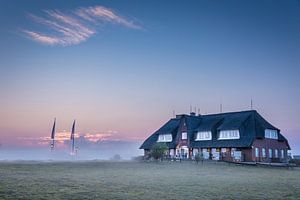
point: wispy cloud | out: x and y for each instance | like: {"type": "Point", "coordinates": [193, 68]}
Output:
{"type": "Point", "coordinates": [74, 27]}
{"type": "Point", "coordinates": [42, 38]}
{"type": "Point", "coordinates": [100, 13]}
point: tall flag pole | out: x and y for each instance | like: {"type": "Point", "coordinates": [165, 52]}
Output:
{"type": "Point", "coordinates": [73, 138]}
{"type": "Point", "coordinates": [53, 135]}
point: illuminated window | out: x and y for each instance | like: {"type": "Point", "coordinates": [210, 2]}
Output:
{"type": "Point", "coordinates": [276, 153]}
{"type": "Point", "coordinates": [282, 153]}
{"type": "Point", "coordinates": [203, 135]}
{"type": "Point", "coordinates": [272, 134]}
{"type": "Point", "coordinates": [263, 152]}
{"type": "Point", "coordinates": [256, 152]}
{"type": "Point", "coordinates": [229, 134]}
{"type": "Point", "coordinates": [270, 153]}
{"type": "Point", "coordinates": [184, 135]}
{"type": "Point", "coordinates": [165, 138]}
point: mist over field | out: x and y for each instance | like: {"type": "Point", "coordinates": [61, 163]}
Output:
{"type": "Point", "coordinates": [104, 150]}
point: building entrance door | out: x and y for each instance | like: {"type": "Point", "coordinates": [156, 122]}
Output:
{"type": "Point", "coordinates": [183, 152]}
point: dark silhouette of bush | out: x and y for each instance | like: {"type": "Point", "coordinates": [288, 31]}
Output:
{"type": "Point", "coordinates": [199, 157]}
{"type": "Point", "coordinates": [158, 150]}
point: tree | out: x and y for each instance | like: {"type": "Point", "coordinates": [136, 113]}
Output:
{"type": "Point", "coordinates": [199, 157]}
{"type": "Point", "coordinates": [158, 150]}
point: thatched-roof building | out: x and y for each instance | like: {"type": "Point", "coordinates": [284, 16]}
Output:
{"type": "Point", "coordinates": [234, 136]}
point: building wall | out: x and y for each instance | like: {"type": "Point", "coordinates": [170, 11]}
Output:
{"type": "Point", "coordinates": [269, 144]}
{"type": "Point", "coordinates": [182, 128]}
{"type": "Point", "coordinates": [247, 155]}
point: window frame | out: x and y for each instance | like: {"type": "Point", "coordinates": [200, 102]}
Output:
{"type": "Point", "coordinates": [229, 134]}
{"type": "Point", "coordinates": [256, 152]}
{"type": "Point", "coordinates": [203, 134]}
{"type": "Point", "coordinates": [270, 153]}
{"type": "Point", "coordinates": [184, 133]}
{"type": "Point", "coordinates": [276, 153]}
{"type": "Point", "coordinates": [263, 153]}
{"type": "Point", "coordinates": [164, 136]}
{"type": "Point", "coordinates": [271, 134]}
{"type": "Point", "coordinates": [282, 154]}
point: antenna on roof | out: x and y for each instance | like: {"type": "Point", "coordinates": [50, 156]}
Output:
{"type": "Point", "coordinates": [173, 113]}
{"type": "Point", "coordinates": [195, 109]}
{"type": "Point", "coordinates": [251, 104]}
{"type": "Point", "coordinates": [191, 108]}
{"type": "Point", "coordinates": [221, 108]}
{"type": "Point", "coordinates": [198, 111]}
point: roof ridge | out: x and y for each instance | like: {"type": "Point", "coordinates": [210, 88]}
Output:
{"type": "Point", "coordinates": [233, 112]}
{"type": "Point", "coordinates": [225, 113]}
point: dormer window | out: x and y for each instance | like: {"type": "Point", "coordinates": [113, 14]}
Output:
{"type": "Point", "coordinates": [164, 138]}
{"type": "Point", "coordinates": [184, 135]}
{"type": "Point", "coordinates": [203, 135]}
{"type": "Point", "coordinates": [229, 134]}
{"type": "Point", "coordinates": [272, 134]}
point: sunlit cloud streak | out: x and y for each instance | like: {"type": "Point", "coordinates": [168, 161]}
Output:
{"type": "Point", "coordinates": [44, 39]}
{"type": "Point", "coordinates": [100, 13]}
{"type": "Point", "coordinates": [74, 27]}
{"type": "Point", "coordinates": [62, 138]}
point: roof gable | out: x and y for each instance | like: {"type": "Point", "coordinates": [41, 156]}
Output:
{"type": "Point", "coordinates": [170, 127]}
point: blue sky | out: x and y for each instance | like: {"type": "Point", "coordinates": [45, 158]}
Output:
{"type": "Point", "coordinates": [148, 59]}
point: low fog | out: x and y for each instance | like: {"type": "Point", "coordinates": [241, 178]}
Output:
{"type": "Point", "coordinates": [104, 150]}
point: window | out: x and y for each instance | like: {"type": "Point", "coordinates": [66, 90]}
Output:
{"type": "Point", "coordinates": [270, 153]}
{"type": "Point", "coordinates": [195, 152]}
{"type": "Point", "coordinates": [229, 134]}
{"type": "Point", "coordinates": [282, 153]}
{"type": "Point", "coordinates": [165, 138]}
{"type": "Point", "coordinates": [263, 152]}
{"type": "Point", "coordinates": [184, 135]}
{"type": "Point", "coordinates": [256, 152]}
{"type": "Point", "coordinates": [272, 134]}
{"type": "Point", "coordinates": [276, 153]}
{"type": "Point", "coordinates": [203, 135]}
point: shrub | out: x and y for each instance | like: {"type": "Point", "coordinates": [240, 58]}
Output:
{"type": "Point", "coordinates": [158, 150]}
{"type": "Point", "coordinates": [199, 157]}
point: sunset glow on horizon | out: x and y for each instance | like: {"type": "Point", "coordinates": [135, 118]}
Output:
{"type": "Point", "coordinates": [122, 69]}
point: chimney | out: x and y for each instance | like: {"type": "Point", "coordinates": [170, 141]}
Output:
{"type": "Point", "coordinates": [178, 116]}
{"type": "Point", "coordinates": [192, 114]}
{"type": "Point", "coordinates": [199, 114]}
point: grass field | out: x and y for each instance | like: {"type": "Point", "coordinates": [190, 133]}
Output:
{"type": "Point", "coordinates": [134, 180]}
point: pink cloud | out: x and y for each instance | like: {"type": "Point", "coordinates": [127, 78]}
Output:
{"type": "Point", "coordinates": [62, 138]}
{"type": "Point", "coordinates": [74, 27]}
{"type": "Point", "coordinates": [44, 39]}
{"type": "Point", "coordinates": [101, 13]}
